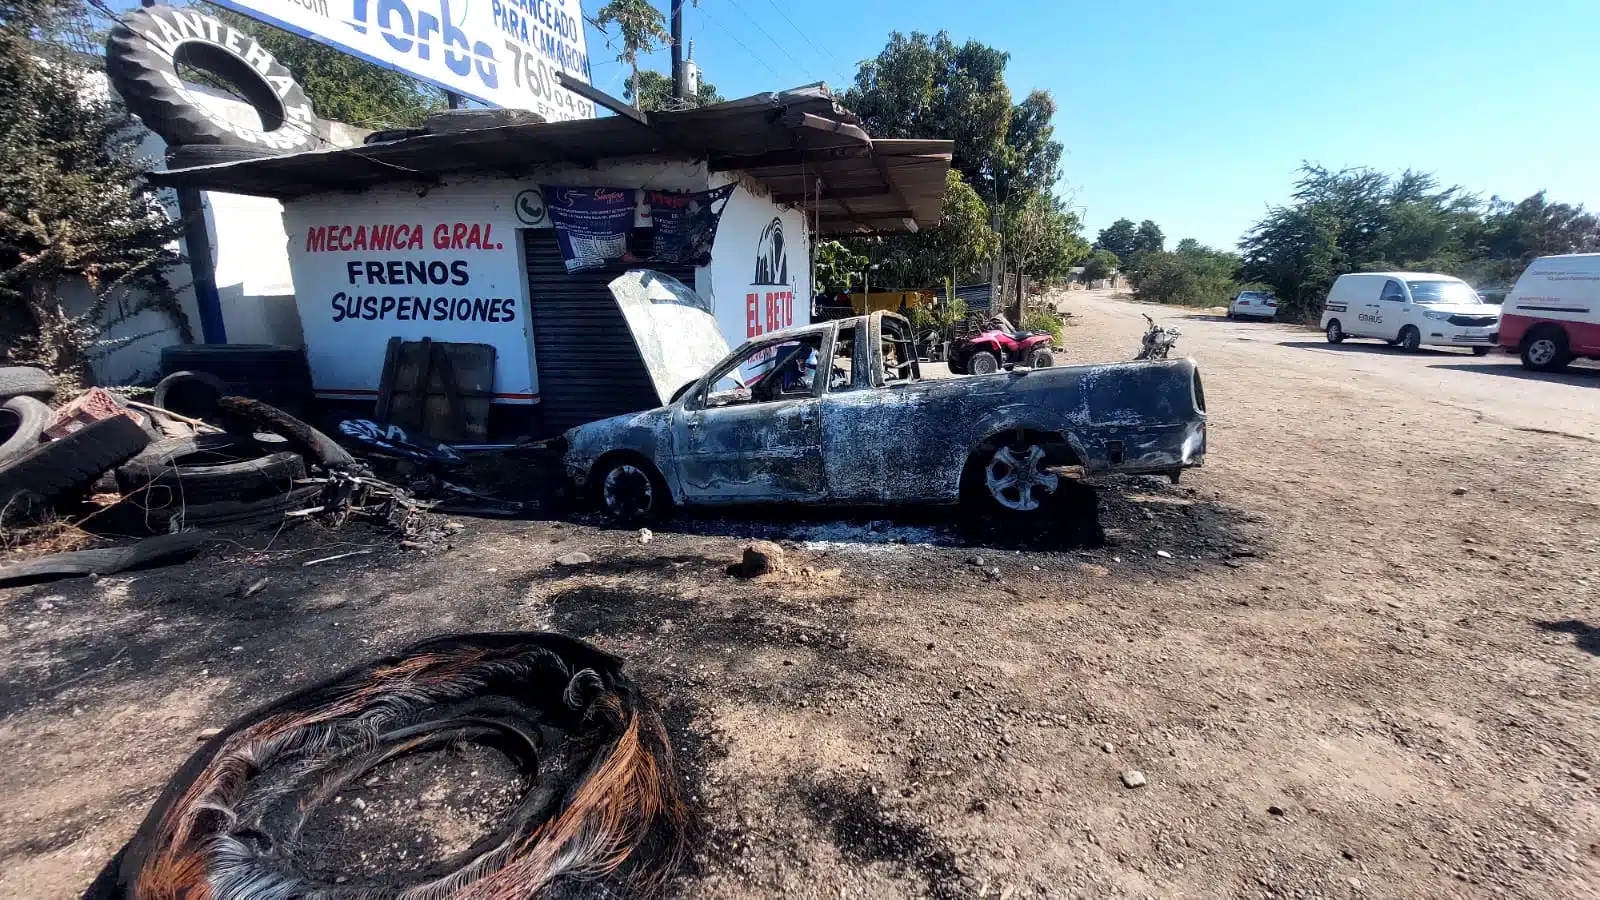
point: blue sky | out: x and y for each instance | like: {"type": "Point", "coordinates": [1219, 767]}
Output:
{"type": "Point", "coordinates": [1197, 114]}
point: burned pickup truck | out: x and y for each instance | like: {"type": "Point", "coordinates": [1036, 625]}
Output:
{"type": "Point", "coordinates": [838, 413]}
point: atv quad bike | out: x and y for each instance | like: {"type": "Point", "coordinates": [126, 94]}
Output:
{"type": "Point", "coordinates": [999, 344]}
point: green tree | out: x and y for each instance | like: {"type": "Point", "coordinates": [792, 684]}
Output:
{"type": "Point", "coordinates": [1120, 238]}
{"type": "Point", "coordinates": [1194, 275]}
{"type": "Point", "coordinates": [964, 242]}
{"type": "Point", "coordinates": [1149, 239]}
{"type": "Point", "coordinates": [342, 87]}
{"type": "Point", "coordinates": [73, 205]}
{"type": "Point", "coordinates": [1041, 239]}
{"type": "Point", "coordinates": [1514, 234]}
{"type": "Point", "coordinates": [1101, 264]}
{"type": "Point", "coordinates": [957, 249]}
{"type": "Point", "coordinates": [642, 29]}
{"type": "Point", "coordinates": [1362, 220]}
{"type": "Point", "coordinates": [929, 87]}
{"type": "Point", "coordinates": [655, 91]}
{"type": "Point", "coordinates": [838, 269]}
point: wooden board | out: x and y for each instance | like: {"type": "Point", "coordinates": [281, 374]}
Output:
{"type": "Point", "coordinates": [440, 389]}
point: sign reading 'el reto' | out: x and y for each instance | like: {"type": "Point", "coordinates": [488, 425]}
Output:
{"type": "Point", "coordinates": [499, 52]}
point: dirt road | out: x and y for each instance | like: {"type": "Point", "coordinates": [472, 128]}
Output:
{"type": "Point", "coordinates": [1354, 656]}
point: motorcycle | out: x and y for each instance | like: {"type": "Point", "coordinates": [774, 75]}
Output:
{"type": "Point", "coordinates": [1000, 344]}
{"type": "Point", "coordinates": [1158, 341]}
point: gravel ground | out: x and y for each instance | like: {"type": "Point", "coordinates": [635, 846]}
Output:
{"type": "Point", "coordinates": [1354, 656]}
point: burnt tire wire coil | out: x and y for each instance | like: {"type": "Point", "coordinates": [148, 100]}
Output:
{"type": "Point", "coordinates": [600, 804]}
{"type": "Point", "coordinates": [243, 413]}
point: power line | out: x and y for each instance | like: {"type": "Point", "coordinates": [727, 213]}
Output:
{"type": "Point", "coordinates": [753, 55]}
{"type": "Point", "coordinates": [774, 40]}
{"type": "Point", "coordinates": [839, 66]}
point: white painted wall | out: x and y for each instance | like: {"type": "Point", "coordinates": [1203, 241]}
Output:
{"type": "Point", "coordinates": [346, 353]}
{"type": "Point", "coordinates": [248, 245]}
{"type": "Point", "coordinates": [748, 306]}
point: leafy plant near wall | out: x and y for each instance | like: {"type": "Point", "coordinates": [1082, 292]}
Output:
{"type": "Point", "coordinates": [838, 269]}
{"type": "Point", "coordinates": [1041, 320]}
{"type": "Point", "coordinates": [941, 318]}
{"type": "Point", "coordinates": [73, 205]}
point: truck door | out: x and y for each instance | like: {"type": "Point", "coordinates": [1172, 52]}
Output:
{"type": "Point", "coordinates": [755, 432]}
{"type": "Point", "coordinates": [1393, 309]}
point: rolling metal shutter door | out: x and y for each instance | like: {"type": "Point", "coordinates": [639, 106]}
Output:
{"type": "Point", "coordinates": [588, 365]}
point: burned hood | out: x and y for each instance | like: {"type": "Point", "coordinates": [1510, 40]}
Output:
{"type": "Point", "coordinates": [673, 327]}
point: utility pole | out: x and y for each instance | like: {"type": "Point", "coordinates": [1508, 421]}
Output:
{"type": "Point", "coordinates": [679, 88]}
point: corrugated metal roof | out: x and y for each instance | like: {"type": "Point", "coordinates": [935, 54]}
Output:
{"type": "Point", "coordinates": [795, 142]}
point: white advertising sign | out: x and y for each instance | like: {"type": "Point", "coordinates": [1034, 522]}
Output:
{"type": "Point", "coordinates": [499, 52]}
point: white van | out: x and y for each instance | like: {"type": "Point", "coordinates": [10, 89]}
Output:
{"type": "Point", "coordinates": [1552, 316]}
{"type": "Point", "coordinates": [1410, 310]}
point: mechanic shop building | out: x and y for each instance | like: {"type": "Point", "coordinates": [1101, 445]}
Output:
{"type": "Point", "coordinates": [458, 221]}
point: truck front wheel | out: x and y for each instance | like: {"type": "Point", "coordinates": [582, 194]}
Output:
{"type": "Point", "coordinates": [630, 489]}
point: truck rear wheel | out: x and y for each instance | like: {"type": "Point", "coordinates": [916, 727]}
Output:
{"type": "Point", "coordinates": [1335, 332]}
{"type": "Point", "coordinates": [1009, 477]}
{"type": "Point", "coordinates": [1545, 349]}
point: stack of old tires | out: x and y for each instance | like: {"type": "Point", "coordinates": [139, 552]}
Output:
{"type": "Point", "coordinates": [220, 460]}
{"type": "Point", "coordinates": [253, 470]}
{"type": "Point", "coordinates": [35, 472]}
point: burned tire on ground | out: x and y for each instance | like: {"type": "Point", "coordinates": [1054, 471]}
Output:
{"type": "Point", "coordinates": [72, 463]}
{"type": "Point", "coordinates": [20, 381]}
{"type": "Point", "coordinates": [193, 394]}
{"type": "Point", "coordinates": [595, 808]}
{"type": "Point", "coordinates": [22, 422]}
{"type": "Point", "coordinates": [242, 413]}
{"type": "Point", "coordinates": [104, 561]}
{"type": "Point", "coordinates": [631, 489]}
{"type": "Point", "coordinates": [245, 479]}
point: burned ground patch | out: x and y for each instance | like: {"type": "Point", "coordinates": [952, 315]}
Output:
{"type": "Point", "coordinates": [865, 832]}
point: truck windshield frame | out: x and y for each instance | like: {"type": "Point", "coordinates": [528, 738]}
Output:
{"type": "Point", "coordinates": [1440, 292]}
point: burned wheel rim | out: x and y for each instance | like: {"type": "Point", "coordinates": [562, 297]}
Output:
{"type": "Point", "coordinates": [628, 491]}
{"type": "Point", "coordinates": [1016, 478]}
{"type": "Point", "coordinates": [1542, 352]}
